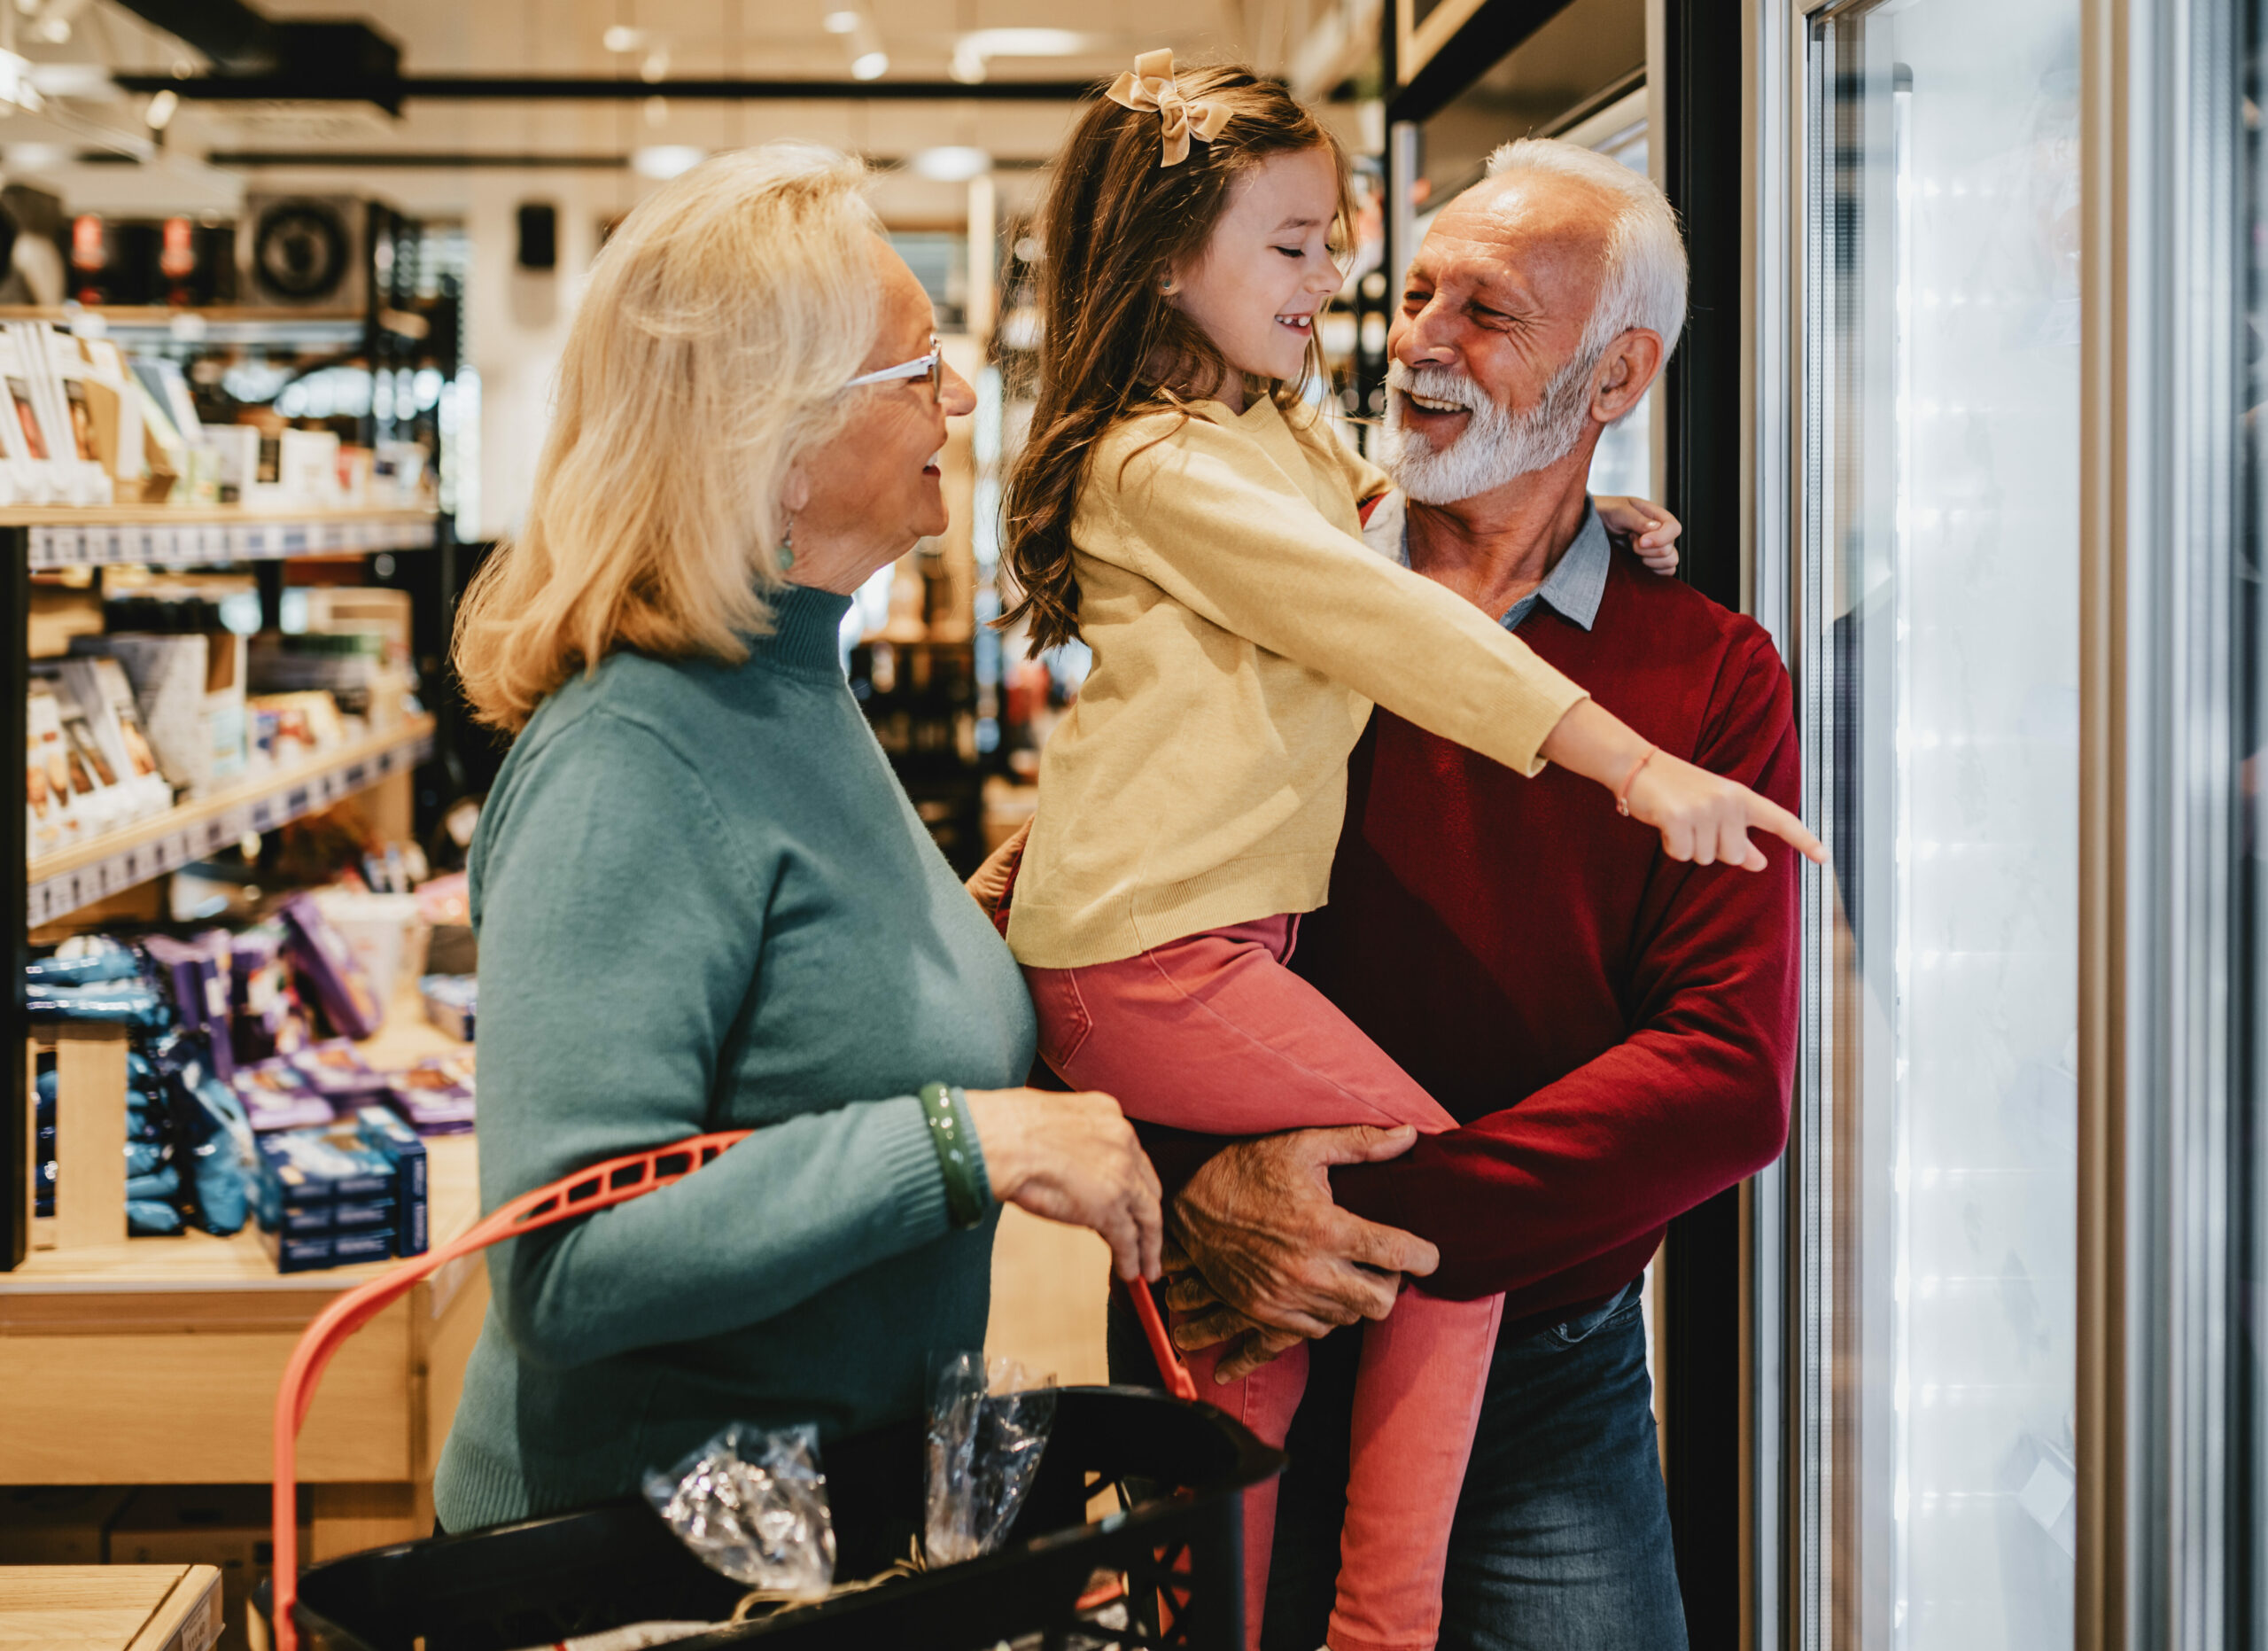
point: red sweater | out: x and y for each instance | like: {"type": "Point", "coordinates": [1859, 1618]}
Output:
{"type": "Point", "coordinates": [1615, 1030]}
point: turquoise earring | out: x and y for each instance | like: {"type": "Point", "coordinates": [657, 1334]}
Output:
{"type": "Point", "coordinates": [787, 551]}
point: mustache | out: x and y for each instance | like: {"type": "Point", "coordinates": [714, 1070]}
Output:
{"type": "Point", "coordinates": [1438, 383]}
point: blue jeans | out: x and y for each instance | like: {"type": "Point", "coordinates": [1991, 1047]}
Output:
{"type": "Point", "coordinates": [1562, 1540]}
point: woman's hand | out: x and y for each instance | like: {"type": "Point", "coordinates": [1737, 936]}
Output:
{"type": "Point", "coordinates": [1652, 531]}
{"type": "Point", "coordinates": [1705, 818]}
{"type": "Point", "coordinates": [1075, 1159]}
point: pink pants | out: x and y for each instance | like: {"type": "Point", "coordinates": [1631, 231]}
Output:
{"type": "Point", "coordinates": [1214, 1034]}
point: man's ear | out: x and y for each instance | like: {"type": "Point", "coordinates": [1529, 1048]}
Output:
{"type": "Point", "coordinates": [1625, 372]}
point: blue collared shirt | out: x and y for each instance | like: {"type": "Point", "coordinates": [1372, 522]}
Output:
{"type": "Point", "coordinates": [1575, 587]}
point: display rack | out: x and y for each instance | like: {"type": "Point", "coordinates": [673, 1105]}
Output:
{"type": "Point", "coordinates": [73, 878]}
{"type": "Point", "coordinates": [85, 872]}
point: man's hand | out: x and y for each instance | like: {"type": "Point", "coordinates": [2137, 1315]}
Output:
{"type": "Point", "coordinates": [1279, 1259]}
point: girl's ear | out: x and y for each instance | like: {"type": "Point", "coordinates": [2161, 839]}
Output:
{"type": "Point", "coordinates": [796, 491]}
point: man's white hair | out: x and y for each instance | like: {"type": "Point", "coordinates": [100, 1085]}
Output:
{"type": "Point", "coordinates": [1645, 254]}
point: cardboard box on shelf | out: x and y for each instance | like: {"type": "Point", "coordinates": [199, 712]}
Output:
{"type": "Point", "coordinates": [191, 689]}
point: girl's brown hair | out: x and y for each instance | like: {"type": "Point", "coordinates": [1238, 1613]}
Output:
{"type": "Point", "coordinates": [1115, 225]}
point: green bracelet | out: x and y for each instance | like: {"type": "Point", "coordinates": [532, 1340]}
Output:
{"type": "Point", "coordinates": [968, 1199]}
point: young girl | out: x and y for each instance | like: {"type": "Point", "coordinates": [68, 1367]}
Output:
{"type": "Point", "coordinates": [1180, 509]}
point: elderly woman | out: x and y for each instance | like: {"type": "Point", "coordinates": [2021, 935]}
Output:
{"type": "Point", "coordinates": [706, 904]}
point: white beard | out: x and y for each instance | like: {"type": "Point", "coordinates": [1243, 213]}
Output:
{"type": "Point", "coordinates": [1497, 444]}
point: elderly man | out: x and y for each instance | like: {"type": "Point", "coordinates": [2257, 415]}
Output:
{"type": "Point", "coordinates": [1614, 1030]}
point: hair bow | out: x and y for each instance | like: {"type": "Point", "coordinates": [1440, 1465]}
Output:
{"type": "Point", "coordinates": [1150, 85]}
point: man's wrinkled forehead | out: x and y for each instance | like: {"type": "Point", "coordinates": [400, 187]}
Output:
{"type": "Point", "coordinates": [1528, 235]}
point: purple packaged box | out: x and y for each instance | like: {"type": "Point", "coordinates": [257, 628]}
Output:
{"type": "Point", "coordinates": [435, 1095]}
{"type": "Point", "coordinates": [197, 972]}
{"type": "Point", "coordinates": [321, 955]}
{"type": "Point", "coordinates": [260, 992]}
{"type": "Point", "coordinates": [276, 1097]}
{"type": "Point", "coordinates": [336, 1069]}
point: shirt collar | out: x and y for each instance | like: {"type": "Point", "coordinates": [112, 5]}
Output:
{"type": "Point", "coordinates": [1573, 589]}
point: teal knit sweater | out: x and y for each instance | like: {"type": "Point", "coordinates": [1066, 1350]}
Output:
{"type": "Point", "coordinates": [706, 904]}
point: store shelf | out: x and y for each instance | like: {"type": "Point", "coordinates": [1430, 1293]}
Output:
{"type": "Point", "coordinates": [85, 872]}
{"type": "Point", "coordinates": [170, 536]}
{"type": "Point", "coordinates": [200, 1262]}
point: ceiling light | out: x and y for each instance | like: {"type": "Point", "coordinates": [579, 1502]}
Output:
{"type": "Point", "coordinates": [621, 39]}
{"type": "Point", "coordinates": [162, 105]}
{"type": "Point", "coordinates": [656, 68]}
{"type": "Point", "coordinates": [952, 163]}
{"type": "Point", "coordinates": [870, 65]}
{"type": "Point", "coordinates": [968, 67]}
{"type": "Point", "coordinates": [666, 160]}
{"type": "Point", "coordinates": [841, 23]}
{"type": "Point", "coordinates": [1025, 42]}
{"type": "Point", "coordinates": [56, 31]}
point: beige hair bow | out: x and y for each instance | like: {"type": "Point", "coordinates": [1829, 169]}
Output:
{"type": "Point", "coordinates": [1150, 85]}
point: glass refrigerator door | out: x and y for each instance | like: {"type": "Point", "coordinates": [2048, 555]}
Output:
{"type": "Point", "coordinates": [1938, 628]}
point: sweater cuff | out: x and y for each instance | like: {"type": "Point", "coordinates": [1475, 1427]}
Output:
{"type": "Point", "coordinates": [905, 1157]}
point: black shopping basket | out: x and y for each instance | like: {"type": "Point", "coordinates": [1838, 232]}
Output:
{"type": "Point", "coordinates": [1164, 1570]}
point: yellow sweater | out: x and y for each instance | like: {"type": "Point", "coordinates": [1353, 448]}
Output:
{"type": "Point", "coordinates": [1241, 633]}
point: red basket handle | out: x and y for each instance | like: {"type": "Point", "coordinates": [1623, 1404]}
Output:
{"type": "Point", "coordinates": [618, 1180]}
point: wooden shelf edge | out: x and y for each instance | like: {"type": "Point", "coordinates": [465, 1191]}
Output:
{"type": "Point", "coordinates": [87, 872]}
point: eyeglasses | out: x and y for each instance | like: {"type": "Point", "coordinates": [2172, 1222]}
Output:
{"type": "Point", "coordinates": [930, 367]}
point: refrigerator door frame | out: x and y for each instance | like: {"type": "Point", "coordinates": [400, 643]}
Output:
{"type": "Point", "coordinates": [2161, 310]}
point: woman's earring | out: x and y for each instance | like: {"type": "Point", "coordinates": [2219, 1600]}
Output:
{"type": "Point", "coordinates": [787, 551]}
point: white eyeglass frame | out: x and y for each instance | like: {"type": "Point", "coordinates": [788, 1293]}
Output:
{"type": "Point", "coordinates": [930, 367]}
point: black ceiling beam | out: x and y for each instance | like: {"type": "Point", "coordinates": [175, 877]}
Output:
{"type": "Point", "coordinates": [1476, 48]}
{"type": "Point", "coordinates": [231, 34]}
{"type": "Point", "coordinates": [391, 93]}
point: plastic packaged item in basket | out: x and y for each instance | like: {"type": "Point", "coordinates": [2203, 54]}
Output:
{"type": "Point", "coordinates": [988, 1428]}
{"type": "Point", "coordinates": [752, 1505]}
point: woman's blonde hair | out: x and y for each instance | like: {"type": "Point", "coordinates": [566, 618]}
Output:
{"type": "Point", "coordinates": [719, 328]}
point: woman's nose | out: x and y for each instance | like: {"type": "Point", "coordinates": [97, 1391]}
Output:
{"type": "Point", "coordinates": [954, 393]}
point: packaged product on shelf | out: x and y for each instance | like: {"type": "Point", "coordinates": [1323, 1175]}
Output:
{"type": "Point", "coordinates": [235, 452]}
{"type": "Point", "coordinates": [307, 1179]}
{"type": "Point", "coordinates": [285, 728]}
{"type": "Point", "coordinates": [97, 800]}
{"type": "Point", "coordinates": [384, 932]}
{"type": "Point", "coordinates": [85, 959]}
{"type": "Point", "coordinates": [398, 473]}
{"type": "Point", "coordinates": [115, 420]}
{"type": "Point", "coordinates": [335, 1069]}
{"type": "Point", "coordinates": [306, 467]}
{"type": "Point", "coordinates": [325, 962]}
{"type": "Point", "coordinates": [211, 1122]}
{"type": "Point", "coordinates": [98, 687]}
{"type": "Point", "coordinates": [198, 973]}
{"type": "Point", "coordinates": [437, 1095]}
{"type": "Point", "coordinates": [34, 478]}
{"type": "Point", "coordinates": [276, 1095]}
{"type": "Point", "coordinates": [400, 1145]}
{"type": "Point", "coordinates": [266, 1017]}
{"type": "Point", "coordinates": [167, 385]}
{"type": "Point", "coordinates": [190, 689]}
{"type": "Point", "coordinates": [51, 822]}
{"type": "Point", "coordinates": [451, 1002]}
{"type": "Point", "coordinates": [70, 419]}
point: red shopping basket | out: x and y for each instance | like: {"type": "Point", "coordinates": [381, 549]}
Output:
{"type": "Point", "coordinates": [1166, 1572]}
